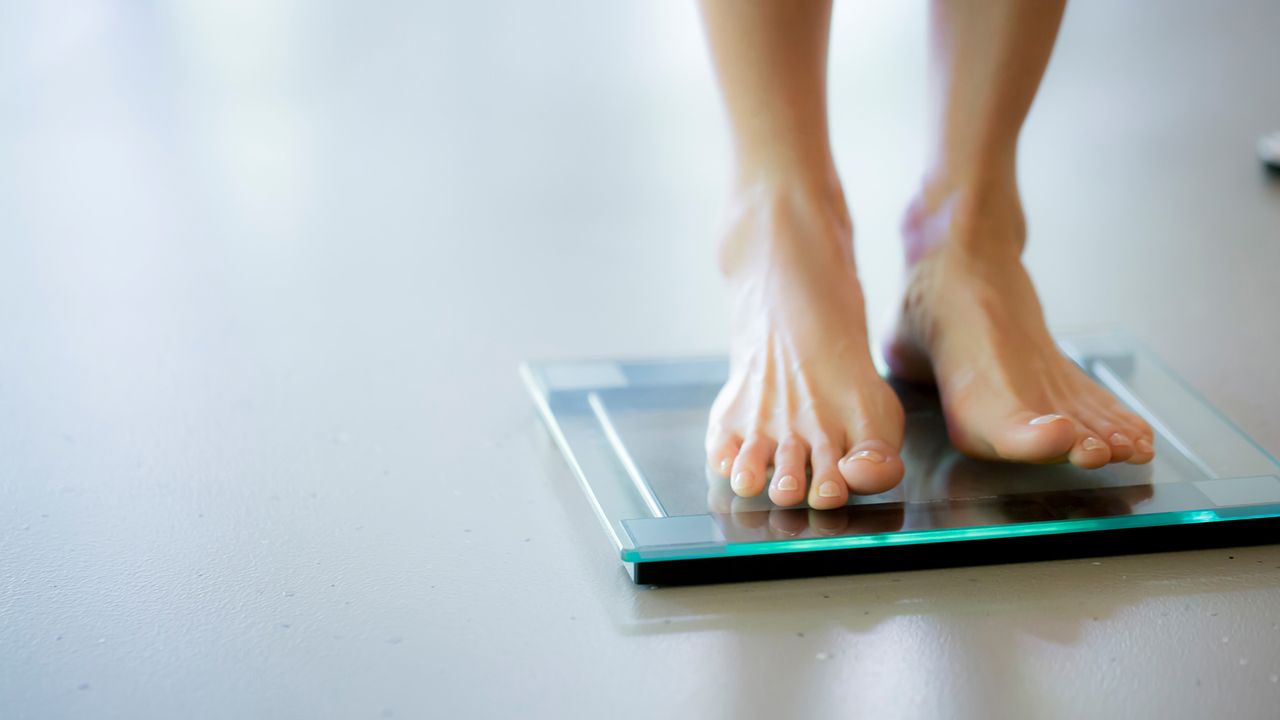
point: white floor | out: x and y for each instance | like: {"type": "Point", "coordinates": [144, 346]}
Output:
{"type": "Point", "coordinates": [266, 270]}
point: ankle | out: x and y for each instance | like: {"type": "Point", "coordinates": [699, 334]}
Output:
{"type": "Point", "coordinates": [790, 157]}
{"type": "Point", "coordinates": [791, 216]}
{"type": "Point", "coordinates": [816, 179]}
{"type": "Point", "coordinates": [979, 216]}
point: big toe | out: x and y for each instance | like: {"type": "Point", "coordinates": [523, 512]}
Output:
{"type": "Point", "coordinates": [1031, 437]}
{"type": "Point", "coordinates": [871, 466]}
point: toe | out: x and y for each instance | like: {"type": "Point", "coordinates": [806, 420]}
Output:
{"type": "Point", "coordinates": [1035, 437]}
{"type": "Point", "coordinates": [829, 489]}
{"type": "Point", "coordinates": [1122, 430]}
{"type": "Point", "coordinates": [1121, 445]}
{"type": "Point", "coordinates": [1143, 449]}
{"type": "Point", "coordinates": [1090, 451]}
{"type": "Point", "coordinates": [1104, 425]}
{"type": "Point", "coordinates": [789, 463]}
{"type": "Point", "coordinates": [748, 476]}
{"type": "Point", "coordinates": [722, 450]}
{"type": "Point", "coordinates": [1142, 435]}
{"type": "Point", "coordinates": [719, 497]}
{"type": "Point", "coordinates": [870, 467]}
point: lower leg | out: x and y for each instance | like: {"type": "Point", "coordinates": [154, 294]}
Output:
{"type": "Point", "coordinates": [771, 62]}
{"type": "Point", "coordinates": [986, 63]}
{"type": "Point", "coordinates": [971, 320]}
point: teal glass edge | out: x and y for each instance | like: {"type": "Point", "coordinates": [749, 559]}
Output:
{"type": "Point", "coordinates": [983, 532]}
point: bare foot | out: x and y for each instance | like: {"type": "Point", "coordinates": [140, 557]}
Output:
{"type": "Point", "coordinates": [803, 394]}
{"type": "Point", "coordinates": [971, 322]}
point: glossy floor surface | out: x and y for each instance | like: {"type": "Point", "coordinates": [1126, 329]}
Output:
{"type": "Point", "coordinates": [267, 269]}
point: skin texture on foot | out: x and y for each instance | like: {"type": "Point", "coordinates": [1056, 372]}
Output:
{"type": "Point", "coordinates": [971, 322]}
{"type": "Point", "coordinates": [803, 398]}
{"type": "Point", "coordinates": [803, 394]}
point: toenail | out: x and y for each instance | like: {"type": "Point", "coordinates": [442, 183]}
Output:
{"type": "Point", "coordinates": [1144, 445]}
{"type": "Point", "coordinates": [787, 483]}
{"type": "Point", "coordinates": [724, 466]}
{"type": "Point", "coordinates": [829, 489]}
{"type": "Point", "coordinates": [868, 455]}
{"type": "Point", "coordinates": [1120, 439]}
{"type": "Point", "coordinates": [1092, 443]}
{"type": "Point", "coordinates": [1046, 419]}
{"type": "Point", "coordinates": [740, 481]}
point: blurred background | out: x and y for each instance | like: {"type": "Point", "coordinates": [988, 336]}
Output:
{"type": "Point", "coordinates": [267, 269]}
{"type": "Point", "coordinates": [554, 172]}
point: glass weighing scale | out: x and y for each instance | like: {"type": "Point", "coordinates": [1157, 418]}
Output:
{"type": "Point", "coordinates": [632, 432]}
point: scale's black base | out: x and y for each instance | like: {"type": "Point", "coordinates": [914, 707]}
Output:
{"type": "Point", "coordinates": [632, 433]}
{"type": "Point", "coordinates": [993, 551]}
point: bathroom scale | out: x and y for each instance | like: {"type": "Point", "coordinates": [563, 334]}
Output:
{"type": "Point", "coordinates": [632, 432]}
